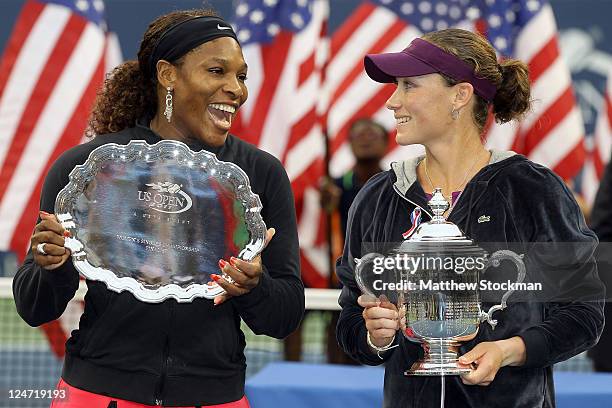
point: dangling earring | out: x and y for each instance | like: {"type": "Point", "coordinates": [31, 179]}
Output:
{"type": "Point", "coordinates": [455, 114]}
{"type": "Point", "coordinates": [168, 110]}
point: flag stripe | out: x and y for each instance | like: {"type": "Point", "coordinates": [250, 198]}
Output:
{"type": "Point", "coordinates": [599, 164]}
{"type": "Point", "coordinates": [306, 69]}
{"type": "Point", "coordinates": [23, 27]}
{"type": "Point", "coordinates": [252, 55]}
{"type": "Point", "coordinates": [43, 89]}
{"type": "Point", "coordinates": [73, 82]}
{"type": "Point", "coordinates": [30, 63]}
{"type": "Point", "coordinates": [541, 61]}
{"type": "Point", "coordinates": [366, 110]}
{"type": "Point", "coordinates": [310, 275]}
{"type": "Point", "coordinates": [353, 23]}
{"type": "Point", "coordinates": [71, 136]}
{"type": "Point", "coordinates": [275, 58]}
{"type": "Point", "coordinates": [311, 174]}
{"type": "Point", "coordinates": [573, 161]}
{"type": "Point", "coordinates": [382, 43]}
{"type": "Point", "coordinates": [604, 136]}
{"type": "Point", "coordinates": [560, 107]}
{"type": "Point", "coordinates": [305, 151]}
{"type": "Point", "coordinates": [300, 129]}
{"type": "Point", "coordinates": [536, 34]}
{"type": "Point", "coordinates": [560, 141]}
{"type": "Point", "coordinates": [290, 102]}
{"type": "Point", "coordinates": [344, 59]}
{"type": "Point", "coordinates": [608, 108]}
{"type": "Point", "coordinates": [552, 85]}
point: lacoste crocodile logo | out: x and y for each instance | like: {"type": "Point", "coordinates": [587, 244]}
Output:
{"type": "Point", "coordinates": [484, 218]}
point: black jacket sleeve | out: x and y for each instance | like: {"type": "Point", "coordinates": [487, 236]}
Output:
{"type": "Point", "coordinates": [351, 330]}
{"type": "Point", "coordinates": [275, 307]}
{"type": "Point", "coordinates": [42, 295]}
{"type": "Point", "coordinates": [574, 323]}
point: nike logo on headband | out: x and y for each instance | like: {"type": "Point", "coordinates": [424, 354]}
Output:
{"type": "Point", "coordinates": [223, 28]}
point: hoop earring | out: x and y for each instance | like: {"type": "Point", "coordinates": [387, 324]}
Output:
{"type": "Point", "coordinates": [168, 110]}
{"type": "Point", "coordinates": [455, 114]}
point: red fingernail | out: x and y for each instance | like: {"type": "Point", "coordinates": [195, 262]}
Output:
{"type": "Point", "coordinates": [67, 233]}
{"type": "Point", "coordinates": [222, 263]}
{"type": "Point", "coordinates": [233, 261]}
{"type": "Point", "coordinates": [215, 277]}
{"type": "Point", "coordinates": [43, 213]}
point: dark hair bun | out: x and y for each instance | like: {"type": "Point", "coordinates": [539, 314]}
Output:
{"type": "Point", "coordinates": [513, 97]}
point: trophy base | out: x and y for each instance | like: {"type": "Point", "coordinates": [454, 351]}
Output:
{"type": "Point", "coordinates": [441, 358]}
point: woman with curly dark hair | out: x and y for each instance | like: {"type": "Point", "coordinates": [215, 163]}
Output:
{"type": "Point", "coordinates": [187, 85]}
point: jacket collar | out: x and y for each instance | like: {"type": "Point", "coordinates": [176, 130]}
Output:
{"type": "Point", "coordinates": [142, 125]}
{"type": "Point", "coordinates": [407, 186]}
{"type": "Point", "coordinates": [405, 171]}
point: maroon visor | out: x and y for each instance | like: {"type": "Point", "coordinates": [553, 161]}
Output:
{"type": "Point", "coordinates": [421, 58]}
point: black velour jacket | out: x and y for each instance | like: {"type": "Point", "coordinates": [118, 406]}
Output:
{"type": "Point", "coordinates": [525, 203]}
{"type": "Point", "coordinates": [178, 354]}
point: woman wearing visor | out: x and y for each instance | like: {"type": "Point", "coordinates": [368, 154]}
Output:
{"type": "Point", "coordinates": [447, 83]}
{"type": "Point", "coordinates": [187, 85]}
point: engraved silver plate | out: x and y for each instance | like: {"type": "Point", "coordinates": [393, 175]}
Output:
{"type": "Point", "coordinates": [156, 219]}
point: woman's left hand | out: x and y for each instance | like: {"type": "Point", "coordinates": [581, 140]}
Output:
{"type": "Point", "coordinates": [245, 274]}
{"type": "Point", "coordinates": [489, 357]}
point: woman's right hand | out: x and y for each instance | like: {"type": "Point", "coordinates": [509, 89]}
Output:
{"type": "Point", "coordinates": [381, 319]}
{"type": "Point", "coordinates": [50, 233]}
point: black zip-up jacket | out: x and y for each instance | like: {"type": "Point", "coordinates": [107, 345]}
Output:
{"type": "Point", "coordinates": [178, 354]}
{"type": "Point", "coordinates": [511, 200]}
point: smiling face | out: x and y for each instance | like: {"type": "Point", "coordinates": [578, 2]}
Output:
{"type": "Point", "coordinates": [421, 106]}
{"type": "Point", "coordinates": [209, 87]}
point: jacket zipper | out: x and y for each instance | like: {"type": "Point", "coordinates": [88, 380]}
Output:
{"type": "Point", "coordinates": [411, 202]}
{"type": "Point", "coordinates": [427, 212]}
{"type": "Point", "coordinates": [159, 389]}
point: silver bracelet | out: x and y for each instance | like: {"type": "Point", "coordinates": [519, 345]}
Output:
{"type": "Point", "coordinates": [380, 349]}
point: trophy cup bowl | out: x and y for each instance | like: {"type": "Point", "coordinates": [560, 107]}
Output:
{"type": "Point", "coordinates": [439, 300]}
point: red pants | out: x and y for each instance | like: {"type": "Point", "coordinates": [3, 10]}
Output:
{"type": "Point", "coordinates": [71, 397]}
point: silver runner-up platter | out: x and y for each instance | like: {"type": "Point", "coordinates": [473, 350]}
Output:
{"type": "Point", "coordinates": [156, 219]}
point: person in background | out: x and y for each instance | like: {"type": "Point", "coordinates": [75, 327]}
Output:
{"type": "Point", "coordinates": [188, 83]}
{"type": "Point", "coordinates": [369, 141]}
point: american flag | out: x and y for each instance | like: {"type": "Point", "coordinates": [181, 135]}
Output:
{"type": "Point", "coordinates": [52, 67]}
{"type": "Point", "coordinates": [284, 43]}
{"type": "Point", "coordinates": [552, 134]}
